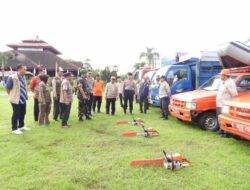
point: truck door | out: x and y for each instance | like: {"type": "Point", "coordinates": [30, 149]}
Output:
{"type": "Point", "coordinates": [178, 80]}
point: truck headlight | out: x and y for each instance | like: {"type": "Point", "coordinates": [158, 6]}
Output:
{"type": "Point", "coordinates": [225, 109]}
{"type": "Point", "coordinates": [157, 97]}
{"type": "Point", "coordinates": [190, 105]}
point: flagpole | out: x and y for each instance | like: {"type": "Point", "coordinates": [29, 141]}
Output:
{"type": "Point", "coordinates": [56, 69]}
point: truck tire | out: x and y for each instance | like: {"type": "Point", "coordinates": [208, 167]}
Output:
{"type": "Point", "coordinates": [208, 121]}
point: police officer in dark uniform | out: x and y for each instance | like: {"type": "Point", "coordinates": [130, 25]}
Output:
{"type": "Point", "coordinates": [83, 96]}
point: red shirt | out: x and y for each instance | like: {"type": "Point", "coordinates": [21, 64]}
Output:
{"type": "Point", "coordinates": [34, 85]}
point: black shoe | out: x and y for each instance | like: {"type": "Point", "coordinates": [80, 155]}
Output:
{"type": "Point", "coordinates": [131, 113]}
{"type": "Point", "coordinates": [99, 111]}
{"type": "Point", "coordinates": [141, 111]}
{"type": "Point", "coordinates": [55, 119]}
{"type": "Point", "coordinates": [220, 132]}
{"type": "Point", "coordinates": [112, 113]}
{"type": "Point", "coordinates": [125, 112]}
{"type": "Point", "coordinates": [165, 118]}
{"type": "Point", "coordinates": [80, 119]}
{"type": "Point", "coordinates": [88, 118]}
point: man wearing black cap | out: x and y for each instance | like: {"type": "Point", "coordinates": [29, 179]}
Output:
{"type": "Point", "coordinates": [129, 90]}
{"type": "Point", "coordinates": [83, 96]}
{"type": "Point", "coordinates": [66, 98]}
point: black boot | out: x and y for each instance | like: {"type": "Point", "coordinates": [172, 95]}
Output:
{"type": "Point", "coordinates": [80, 119]}
{"type": "Point", "coordinates": [88, 118]}
{"type": "Point", "coordinates": [165, 118]}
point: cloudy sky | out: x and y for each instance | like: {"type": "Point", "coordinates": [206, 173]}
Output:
{"type": "Point", "coordinates": [114, 32]}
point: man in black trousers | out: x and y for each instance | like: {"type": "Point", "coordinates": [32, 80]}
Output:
{"type": "Point", "coordinates": [129, 90]}
{"type": "Point", "coordinates": [144, 94]}
{"type": "Point", "coordinates": [16, 89]}
{"type": "Point", "coordinates": [56, 85]}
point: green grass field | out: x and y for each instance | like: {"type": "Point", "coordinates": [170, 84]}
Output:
{"type": "Point", "coordinates": [94, 155]}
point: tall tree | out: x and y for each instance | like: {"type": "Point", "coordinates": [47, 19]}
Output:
{"type": "Point", "coordinates": [106, 73]}
{"type": "Point", "coordinates": [4, 57]}
{"type": "Point", "coordinates": [151, 56]}
{"type": "Point", "coordinates": [87, 64]}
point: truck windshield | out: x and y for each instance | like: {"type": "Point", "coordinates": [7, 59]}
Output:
{"type": "Point", "coordinates": [158, 74]}
{"type": "Point", "coordinates": [213, 84]}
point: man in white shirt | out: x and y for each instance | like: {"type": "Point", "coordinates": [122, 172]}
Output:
{"type": "Point", "coordinates": [164, 95]}
{"type": "Point", "coordinates": [227, 90]}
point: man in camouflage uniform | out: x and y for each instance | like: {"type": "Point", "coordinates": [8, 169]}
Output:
{"type": "Point", "coordinates": [83, 96]}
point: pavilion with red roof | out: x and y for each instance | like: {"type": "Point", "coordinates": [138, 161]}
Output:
{"type": "Point", "coordinates": [37, 53]}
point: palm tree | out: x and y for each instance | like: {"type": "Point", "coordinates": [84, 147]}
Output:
{"type": "Point", "coordinates": [151, 56]}
{"type": "Point", "coordinates": [87, 64]}
{"type": "Point", "coordinates": [4, 57]}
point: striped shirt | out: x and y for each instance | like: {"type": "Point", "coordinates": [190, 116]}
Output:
{"type": "Point", "coordinates": [23, 94]}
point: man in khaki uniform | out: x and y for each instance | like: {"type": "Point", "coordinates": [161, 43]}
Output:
{"type": "Point", "coordinates": [66, 98]}
{"type": "Point", "coordinates": [56, 85]}
{"type": "Point", "coordinates": [44, 100]}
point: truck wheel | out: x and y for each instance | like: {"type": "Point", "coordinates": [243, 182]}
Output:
{"type": "Point", "coordinates": [208, 121]}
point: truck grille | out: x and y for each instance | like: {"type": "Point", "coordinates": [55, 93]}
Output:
{"type": "Point", "coordinates": [243, 113]}
{"type": "Point", "coordinates": [178, 103]}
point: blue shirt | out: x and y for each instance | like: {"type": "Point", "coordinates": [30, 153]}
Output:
{"type": "Point", "coordinates": [144, 89]}
{"type": "Point", "coordinates": [23, 92]}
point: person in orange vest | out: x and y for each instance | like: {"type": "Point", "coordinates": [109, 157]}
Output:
{"type": "Point", "coordinates": [97, 93]}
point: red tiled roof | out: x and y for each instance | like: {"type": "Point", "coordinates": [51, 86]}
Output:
{"type": "Point", "coordinates": [46, 59]}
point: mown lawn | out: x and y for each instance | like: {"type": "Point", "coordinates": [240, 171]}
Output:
{"type": "Point", "coordinates": [94, 155]}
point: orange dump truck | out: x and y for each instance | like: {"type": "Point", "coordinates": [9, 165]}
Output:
{"type": "Point", "coordinates": [199, 106]}
{"type": "Point", "coordinates": [235, 117]}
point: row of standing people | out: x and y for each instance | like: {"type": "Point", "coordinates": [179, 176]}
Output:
{"type": "Point", "coordinates": [89, 96]}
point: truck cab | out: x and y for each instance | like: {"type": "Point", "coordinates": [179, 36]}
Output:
{"type": "Point", "coordinates": [199, 106]}
{"type": "Point", "coordinates": [178, 83]}
{"type": "Point", "coordinates": [139, 74]}
{"type": "Point", "coordinates": [186, 75]}
{"type": "Point", "coordinates": [235, 117]}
